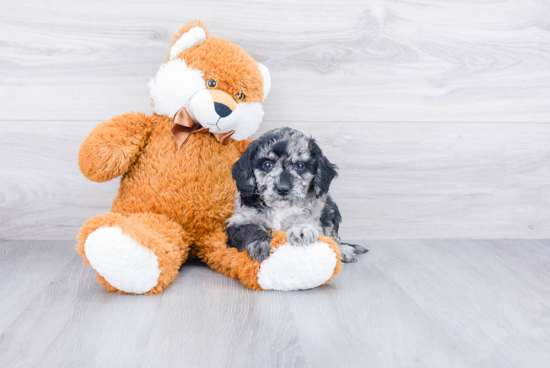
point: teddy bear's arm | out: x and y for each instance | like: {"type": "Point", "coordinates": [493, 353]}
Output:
{"type": "Point", "coordinates": [113, 146]}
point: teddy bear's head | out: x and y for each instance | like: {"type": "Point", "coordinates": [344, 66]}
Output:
{"type": "Point", "coordinates": [217, 82]}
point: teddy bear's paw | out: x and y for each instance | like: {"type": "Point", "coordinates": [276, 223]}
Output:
{"type": "Point", "coordinates": [122, 261]}
{"type": "Point", "coordinates": [292, 267]}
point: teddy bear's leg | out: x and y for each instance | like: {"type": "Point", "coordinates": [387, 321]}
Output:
{"type": "Point", "coordinates": [289, 267]}
{"type": "Point", "coordinates": [138, 253]}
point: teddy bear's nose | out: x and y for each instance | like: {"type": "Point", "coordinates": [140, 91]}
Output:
{"type": "Point", "coordinates": [222, 110]}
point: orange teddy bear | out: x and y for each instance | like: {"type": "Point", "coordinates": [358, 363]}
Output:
{"type": "Point", "coordinates": [176, 190]}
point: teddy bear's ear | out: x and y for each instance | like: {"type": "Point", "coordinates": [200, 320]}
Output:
{"type": "Point", "coordinates": [194, 33]}
{"type": "Point", "coordinates": [266, 77]}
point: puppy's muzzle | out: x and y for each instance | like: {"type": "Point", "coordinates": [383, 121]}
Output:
{"type": "Point", "coordinates": [284, 185]}
{"type": "Point", "coordinates": [283, 189]}
{"type": "Point", "coordinates": [224, 104]}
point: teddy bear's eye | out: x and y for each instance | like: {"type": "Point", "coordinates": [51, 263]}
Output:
{"type": "Point", "coordinates": [240, 96]}
{"type": "Point", "coordinates": [211, 83]}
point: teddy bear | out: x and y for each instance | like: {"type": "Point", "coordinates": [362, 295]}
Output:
{"type": "Point", "coordinates": [176, 190]}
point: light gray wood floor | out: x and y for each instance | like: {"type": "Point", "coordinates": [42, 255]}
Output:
{"type": "Point", "coordinates": [436, 303]}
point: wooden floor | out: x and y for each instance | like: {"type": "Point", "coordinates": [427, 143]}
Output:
{"type": "Point", "coordinates": [436, 112]}
{"type": "Point", "coordinates": [413, 303]}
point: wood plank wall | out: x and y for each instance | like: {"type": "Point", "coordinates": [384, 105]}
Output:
{"type": "Point", "coordinates": [438, 113]}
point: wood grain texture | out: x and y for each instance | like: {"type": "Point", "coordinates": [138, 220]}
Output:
{"type": "Point", "coordinates": [25, 273]}
{"type": "Point", "coordinates": [437, 113]}
{"type": "Point", "coordinates": [438, 303]}
{"type": "Point", "coordinates": [397, 180]}
{"type": "Point", "coordinates": [352, 60]}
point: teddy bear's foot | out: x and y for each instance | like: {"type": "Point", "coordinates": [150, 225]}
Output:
{"type": "Point", "coordinates": [138, 254]}
{"type": "Point", "coordinates": [292, 267]}
{"type": "Point", "coordinates": [289, 267]}
{"type": "Point", "coordinates": [121, 261]}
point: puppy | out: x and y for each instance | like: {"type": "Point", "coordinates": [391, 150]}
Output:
{"type": "Point", "coordinates": [283, 180]}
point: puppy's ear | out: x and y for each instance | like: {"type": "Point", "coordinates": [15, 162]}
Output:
{"type": "Point", "coordinates": [243, 172]}
{"type": "Point", "coordinates": [326, 172]}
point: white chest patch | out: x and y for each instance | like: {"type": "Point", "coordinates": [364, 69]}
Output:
{"type": "Point", "coordinates": [283, 218]}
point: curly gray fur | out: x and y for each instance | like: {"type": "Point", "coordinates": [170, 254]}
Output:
{"type": "Point", "coordinates": [283, 180]}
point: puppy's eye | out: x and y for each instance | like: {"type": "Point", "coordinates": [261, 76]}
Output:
{"type": "Point", "coordinates": [211, 83]}
{"type": "Point", "coordinates": [267, 165]}
{"type": "Point", "coordinates": [299, 166]}
{"type": "Point", "coordinates": [240, 96]}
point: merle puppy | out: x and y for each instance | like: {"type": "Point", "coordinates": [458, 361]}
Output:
{"type": "Point", "coordinates": [283, 180]}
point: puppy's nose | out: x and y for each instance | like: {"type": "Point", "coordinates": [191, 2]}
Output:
{"type": "Point", "coordinates": [222, 110]}
{"type": "Point", "coordinates": [283, 189]}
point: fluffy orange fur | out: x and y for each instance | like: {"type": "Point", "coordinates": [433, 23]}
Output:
{"type": "Point", "coordinates": [169, 199]}
{"type": "Point", "coordinates": [175, 201]}
{"type": "Point", "coordinates": [164, 237]}
{"type": "Point", "coordinates": [233, 68]}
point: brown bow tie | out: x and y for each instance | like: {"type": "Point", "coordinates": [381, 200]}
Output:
{"type": "Point", "coordinates": [184, 126]}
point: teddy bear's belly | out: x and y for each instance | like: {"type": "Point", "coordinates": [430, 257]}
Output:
{"type": "Point", "coordinates": [192, 185]}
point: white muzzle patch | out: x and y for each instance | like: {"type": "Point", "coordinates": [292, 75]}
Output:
{"type": "Point", "coordinates": [176, 85]}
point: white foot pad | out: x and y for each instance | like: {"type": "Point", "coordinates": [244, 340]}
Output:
{"type": "Point", "coordinates": [293, 267]}
{"type": "Point", "coordinates": [123, 262]}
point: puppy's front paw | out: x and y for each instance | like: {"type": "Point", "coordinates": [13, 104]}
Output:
{"type": "Point", "coordinates": [259, 250]}
{"type": "Point", "coordinates": [302, 234]}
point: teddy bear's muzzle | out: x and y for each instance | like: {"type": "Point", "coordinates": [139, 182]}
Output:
{"type": "Point", "coordinates": [224, 104]}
